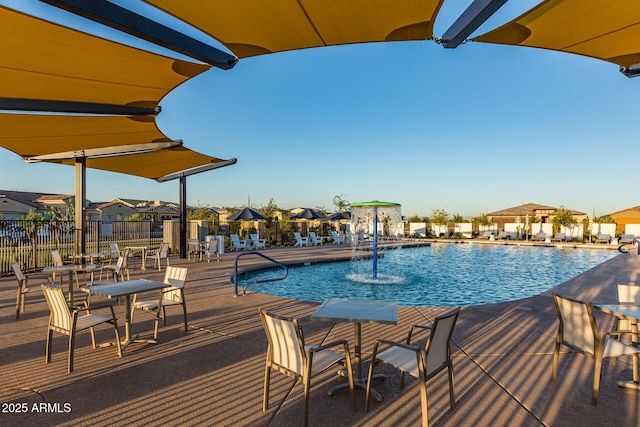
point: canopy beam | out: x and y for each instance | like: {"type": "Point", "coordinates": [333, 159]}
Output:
{"type": "Point", "coordinates": [129, 22]}
{"type": "Point", "coordinates": [475, 15]}
{"type": "Point", "coordinates": [24, 104]}
{"type": "Point", "coordinates": [105, 151]}
{"type": "Point", "coordinates": [196, 170]}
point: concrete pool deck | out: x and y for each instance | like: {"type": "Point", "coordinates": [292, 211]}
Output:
{"type": "Point", "coordinates": [213, 375]}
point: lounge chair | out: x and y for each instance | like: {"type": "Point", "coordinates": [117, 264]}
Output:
{"type": "Point", "coordinates": [336, 239]}
{"type": "Point", "coordinates": [300, 241]}
{"type": "Point", "coordinates": [212, 247]}
{"type": "Point", "coordinates": [422, 362]}
{"type": "Point", "coordinates": [627, 238]}
{"type": "Point", "coordinates": [539, 237]}
{"type": "Point", "coordinates": [174, 295]}
{"type": "Point", "coordinates": [485, 235]}
{"type": "Point", "coordinates": [257, 243]}
{"type": "Point", "coordinates": [237, 243]}
{"type": "Point", "coordinates": [503, 235]}
{"type": "Point", "coordinates": [559, 237]}
{"type": "Point", "coordinates": [578, 331]}
{"type": "Point", "coordinates": [315, 240]}
{"type": "Point", "coordinates": [288, 353]}
{"type": "Point", "coordinates": [68, 322]}
{"type": "Point", "coordinates": [603, 238]}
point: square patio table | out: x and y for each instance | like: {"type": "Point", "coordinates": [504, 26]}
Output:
{"type": "Point", "coordinates": [72, 269]}
{"type": "Point", "coordinates": [126, 289]}
{"type": "Point", "coordinates": [630, 312]}
{"type": "Point", "coordinates": [358, 311]}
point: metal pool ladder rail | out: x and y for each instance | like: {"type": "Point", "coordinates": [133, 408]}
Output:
{"type": "Point", "coordinates": [234, 279]}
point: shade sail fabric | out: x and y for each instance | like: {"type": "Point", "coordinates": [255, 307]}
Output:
{"type": "Point", "coordinates": [256, 27]}
{"type": "Point", "coordinates": [44, 60]}
{"type": "Point", "coordinates": [152, 165]}
{"type": "Point", "coordinates": [30, 135]}
{"type": "Point", "coordinates": [607, 30]}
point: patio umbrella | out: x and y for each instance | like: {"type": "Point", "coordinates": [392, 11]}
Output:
{"type": "Point", "coordinates": [309, 213]}
{"type": "Point", "coordinates": [246, 214]}
{"type": "Point", "coordinates": [340, 216]}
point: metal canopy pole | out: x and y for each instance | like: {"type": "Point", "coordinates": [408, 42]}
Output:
{"type": "Point", "coordinates": [81, 197]}
{"type": "Point", "coordinates": [474, 16]}
{"type": "Point", "coordinates": [183, 217]}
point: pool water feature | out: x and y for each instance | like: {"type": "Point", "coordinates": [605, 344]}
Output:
{"type": "Point", "coordinates": [440, 275]}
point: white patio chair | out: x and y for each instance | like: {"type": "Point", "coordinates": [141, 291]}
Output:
{"type": "Point", "coordinates": [578, 331]}
{"type": "Point", "coordinates": [173, 295]}
{"type": "Point", "coordinates": [57, 261]}
{"type": "Point", "coordinates": [237, 243]}
{"type": "Point", "coordinates": [314, 240]}
{"type": "Point", "coordinates": [68, 322]}
{"type": "Point", "coordinates": [336, 239]}
{"type": "Point", "coordinates": [300, 241]}
{"type": "Point", "coordinates": [22, 286]}
{"type": "Point", "coordinates": [603, 238]}
{"type": "Point", "coordinates": [627, 294]}
{"type": "Point", "coordinates": [288, 354]}
{"type": "Point", "coordinates": [158, 255]}
{"type": "Point", "coordinates": [422, 362]}
{"type": "Point", "coordinates": [257, 243]}
{"type": "Point", "coordinates": [212, 247]}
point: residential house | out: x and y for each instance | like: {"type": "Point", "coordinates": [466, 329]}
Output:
{"type": "Point", "coordinates": [16, 204]}
{"type": "Point", "coordinates": [518, 214]}
{"type": "Point", "coordinates": [626, 216]}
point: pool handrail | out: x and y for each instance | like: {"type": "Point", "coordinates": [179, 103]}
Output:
{"type": "Point", "coordinates": [234, 278]}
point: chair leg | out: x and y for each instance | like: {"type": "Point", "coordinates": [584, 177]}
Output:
{"type": "Point", "coordinates": [424, 404]}
{"type": "Point", "coordinates": [452, 395]}
{"type": "Point", "coordinates": [265, 395]}
{"type": "Point", "coordinates": [374, 362]}
{"type": "Point", "coordinates": [307, 387]}
{"type": "Point", "coordinates": [93, 337]}
{"type": "Point", "coordinates": [556, 357]}
{"type": "Point", "coordinates": [184, 310]}
{"type": "Point", "coordinates": [48, 350]}
{"type": "Point", "coordinates": [118, 345]}
{"type": "Point", "coordinates": [596, 379]}
{"type": "Point", "coordinates": [72, 337]}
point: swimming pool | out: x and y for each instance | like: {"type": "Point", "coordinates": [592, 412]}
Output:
{"type": "Point", "coordinates": [440, 275]}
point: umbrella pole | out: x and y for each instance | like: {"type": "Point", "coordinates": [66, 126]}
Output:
{"type": "Point", "coordinates": [375, 243]}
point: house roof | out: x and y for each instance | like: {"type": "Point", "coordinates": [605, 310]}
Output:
{"type": "Point", "coordinates": [527, 209]}
{"type": "Point", "coordinates": [32, 199]}
{"type": "Point", "coordinates": [635, 208]}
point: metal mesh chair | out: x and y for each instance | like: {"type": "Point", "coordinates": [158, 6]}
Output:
{"type": "Point", "coordinates": [287, 353]}
{"type": "Point", "coordinates": [66, 321]}
{"type": "Point", "coordinates": [422, 362]}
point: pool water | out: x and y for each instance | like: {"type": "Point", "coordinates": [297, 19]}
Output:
{"type": "Point", "coordinates": [440, 275]}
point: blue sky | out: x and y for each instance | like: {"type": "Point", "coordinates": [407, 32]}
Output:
{"type": "Point", "coordinates": [471, 130]}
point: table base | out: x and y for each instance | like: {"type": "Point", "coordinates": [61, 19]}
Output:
{"type": "Point", "coordinates": [357, 383]}
{"type": "Point", "coordinates": [134, 338]}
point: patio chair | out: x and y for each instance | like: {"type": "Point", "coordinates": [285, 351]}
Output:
{"type": "Point", "coordinates": [173, 295]}
{"type": "Point", "coordinates": [422, 362]}
{"type": "Point", "coordinates": [315, 240]}
{"type": "Point", "coordinates": [336, 239]}
{"type": "Point", "coordinates": [22, 286]}
{"type": "Point", "coordinates": [288, 354]}
{"type": "Point", "coordinates": [627, 294]}
{"type": "Point", "coordinates": [627, 238]}
{"type": "Point", "coordinates": [158, 255]}
{"type": "Point", "coordinates": [539, 237]}
{"type": "Point", "coordinates": [257, 243]}
{"type": "Point", "coordinates": [559, 237]}
{"type": "Point", "coordinates": [212, 247]}
{"type": "Point", "coordinates": [115, 271]}
{"type": "Point", "coordinates": [578, 331]}
{"type": "Point", "coordinates": [66, 321]}
{"type": "Point", "coordinates": [300, 241]}
{"type": "Point", "coordinates": [237, 243]}
{"type": "Point", "coordinates": [485, 235]}
{"type": "Point", "coordinates": [603, 238]}
{"type": "Point", "coordinates": [57, 261]}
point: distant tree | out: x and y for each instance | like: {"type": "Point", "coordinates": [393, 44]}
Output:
{"type": "Point", "coordinates": [415, 218]}
{"type": "Point", "coordinates": [322, 210]}
{"type": "Point", "coordinates": [56, 213]}
{"type": "Point", "coordinates": [136, 217]}
{"type": "Point", "coordinates": [269, 214]}
{"type": "Point", "coordinates": [286, 229]}
{"type": "Point", "coordinates": [563, 218]}
{"type": "Point", "coordinates": [340, 203]}
{"type": "Point", "coordinates": [482, 219]}
{"type": "Point", "coordinates": [440, 217]}
{"type": "Point", "coordinates": [426, 219]}
{"type": "Point", "coordinates": [457, 218]}
{"type": "Point", "coordinates": [604, 219]}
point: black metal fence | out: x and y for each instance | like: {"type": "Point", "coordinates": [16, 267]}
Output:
{"type": "Point", "coordinates": [30, 242]}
